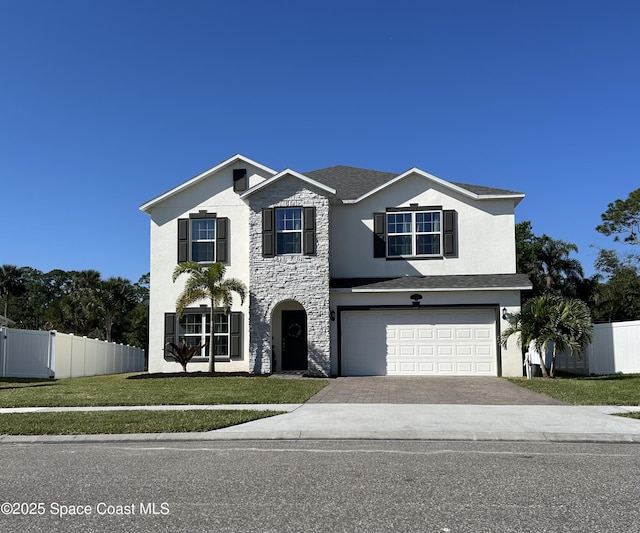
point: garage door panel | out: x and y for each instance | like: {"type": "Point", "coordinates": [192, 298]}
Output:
{"type": "Point", "coordinates": [426, 350]}
{"type": "Point", "coordinates": [425, 342]}
{"type": "Point", "coordinates": [464, 350]}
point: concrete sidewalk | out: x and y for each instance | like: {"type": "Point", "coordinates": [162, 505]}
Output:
{"type": "Point", "coordinates": [560, 423]}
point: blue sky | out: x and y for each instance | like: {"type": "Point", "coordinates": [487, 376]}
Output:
{"type": "Point", "coordinates": [106, 104]}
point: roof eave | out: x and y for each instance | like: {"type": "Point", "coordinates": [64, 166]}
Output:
{"type": "Point", "coordinates": [431, 289]}
{"type": "Point", "coordinates": [280, 175]}
{"type": "Point", "coordinates": [517, 196]}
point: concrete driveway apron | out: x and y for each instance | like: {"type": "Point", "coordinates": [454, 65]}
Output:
{"type": "Point", "coordinates": [429, 390]}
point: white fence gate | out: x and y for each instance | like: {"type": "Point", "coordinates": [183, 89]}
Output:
{"type": "Point", "coordinates": [48, 354]}
{"type": "Point", "coordinates": [615, 349]}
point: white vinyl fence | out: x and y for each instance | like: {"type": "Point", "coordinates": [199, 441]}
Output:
{"type": "Point", "coordinates": [49, 354]}
{"type": "Point", "coordinates": [615, 349]}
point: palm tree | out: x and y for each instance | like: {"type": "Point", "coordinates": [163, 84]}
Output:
{"type": "Point", "coordinates": [11, 284]}
{"type": "Point", "coordinates": [529, 324]}
{"type": "Point", "coordinates": [207, 282]}
{"type": "Point", "coordinates": [113, 299]}
{"type": "Point", "coordinates": [556, 265]}
{"type": "Point", "coordinates": [563, 322]}
{"type": "Point", "coordinates": [571, 330]}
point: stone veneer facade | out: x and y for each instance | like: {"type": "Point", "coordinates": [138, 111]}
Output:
{"type": "Point", "coordinates": [284, 278]}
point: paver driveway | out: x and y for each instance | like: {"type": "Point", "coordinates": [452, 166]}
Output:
{"type": "Point", "coordinates": [429, 390]}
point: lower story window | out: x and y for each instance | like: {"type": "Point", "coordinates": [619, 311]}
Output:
{"type": "Point", "coordinates": [195, 329]}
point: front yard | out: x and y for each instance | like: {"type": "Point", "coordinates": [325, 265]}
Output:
{"type": "Point", "coordinates": [619, 389]}
{"type": "Point", "coordinates": [142, 389]}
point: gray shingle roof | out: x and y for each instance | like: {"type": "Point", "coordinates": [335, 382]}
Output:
{"type": "Point", "coordinates": [351, 183]}
{"type": "Point", "coordinates": [459, 282]}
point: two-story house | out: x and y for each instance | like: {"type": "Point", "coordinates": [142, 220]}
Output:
{"type": "Point", "coordinates": [349, 271]}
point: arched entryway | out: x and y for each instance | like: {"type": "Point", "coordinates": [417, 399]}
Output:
{"type": "Point", "coordinates": [289, 333]}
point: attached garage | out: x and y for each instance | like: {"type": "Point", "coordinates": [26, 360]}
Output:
{"type": "Point", "coordinates": [423, 341]}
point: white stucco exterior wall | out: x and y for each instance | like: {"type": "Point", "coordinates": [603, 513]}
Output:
{"type": "Point", "coordinates": [215, 195]}
{"type": "Point", "coordinates": [485, 233]}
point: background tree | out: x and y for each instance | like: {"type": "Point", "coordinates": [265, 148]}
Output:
{"type": "Point", "coordinates": [207, 282]}
{"type": "Point", "coordinates": [617, 299]}
{"type": "Point", "coordinates": [11, 284]}
{"type": "Point", "coordinates": [111, 301]}
{"type": "Point", "coordinates": [622, 217]}
{"type": "Point", "coordinates": [526, 250]}
{"type": "Point", "coordinates": [80, 302]}
{"type": "Point", "coordinates": [136, 325]}
{"type": "Point", "coordinates": [559, 270]}
{"type": "Point", "coordinates": [549, 265]}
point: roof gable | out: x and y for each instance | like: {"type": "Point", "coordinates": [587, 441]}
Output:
{"type": "Point", "coordinates": [288, 172]}
{"type": "Point", "coordinates": [146, 207]}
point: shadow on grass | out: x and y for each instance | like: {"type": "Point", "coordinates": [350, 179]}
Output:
{"type": "Point", "coordinates": [29, 383]}
{"type": "Point", "coordinates": [26, 380]}
{"type": "Point", "coordinates": [608, 377]}
{"type": "Point", "coordinates": [164, 375]}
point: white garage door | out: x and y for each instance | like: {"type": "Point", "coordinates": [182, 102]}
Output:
{"type": "Point", "coordinates": [425, 342]}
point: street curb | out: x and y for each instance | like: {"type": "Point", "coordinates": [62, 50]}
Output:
{"type": "Point", "coordinates": [222, 436]}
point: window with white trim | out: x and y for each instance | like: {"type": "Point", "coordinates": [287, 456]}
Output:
{"type": "Point", "coordinates": [203, 240]}
{"type": "Point", "coordinates": [288, 230]}
{"type": "Point", "coordinates": [414, 234]}
{"type": "Point", "coordinates": [195, 329]}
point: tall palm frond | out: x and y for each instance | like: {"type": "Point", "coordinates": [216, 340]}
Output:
{"type": "Point", "coordinates": [207, 282]}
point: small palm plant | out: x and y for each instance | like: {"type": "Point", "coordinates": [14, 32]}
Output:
{"type": "Point", "coordinates": [207, 282]}
{"type": "Point", "coordinates": [182, 353]}
{"type": "Point", "coordinates": [563, 322]}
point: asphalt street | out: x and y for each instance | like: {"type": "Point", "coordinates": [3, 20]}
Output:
{"type": "Point", "coordinates": [313, 486]}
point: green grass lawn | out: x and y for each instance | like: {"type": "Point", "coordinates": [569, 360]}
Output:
{"type": "Point", "coordinates": [142, 389]}
{"type": "Point", "coordinates": [100, 422]}
{"type": "Point", "coordinates": [619, 389]}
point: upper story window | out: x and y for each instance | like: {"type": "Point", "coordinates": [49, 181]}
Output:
{"type": "Point", "coordinates": [289, 230]}
{"type": "Point", "coordinates": [415, 232]}
{"type": "Point", "coordinates": [203, 238]}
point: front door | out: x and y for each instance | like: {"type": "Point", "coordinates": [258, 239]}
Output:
{"type": "Point", "coordinates": [294, 340]}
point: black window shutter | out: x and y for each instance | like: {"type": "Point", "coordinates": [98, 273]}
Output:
{"type": "Point", "coordinates": [169, 329]}
{"type": "Point", "coordinates": [449, 233]}
{"type": "Point", "coordinates": [235, 334]}
{"type": "Point", "coordinates": [183, 240]}
{"type": "Point", "coordinates": [379, 240]}
{"type": "Point", "coordinates": [268, 233]}
{"type": "Point", "coordinates": [309, 231]}
{"type": "Point", "coordinates": [222, 240]}
{"type": "Point", "coordinates": [240, 180]}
